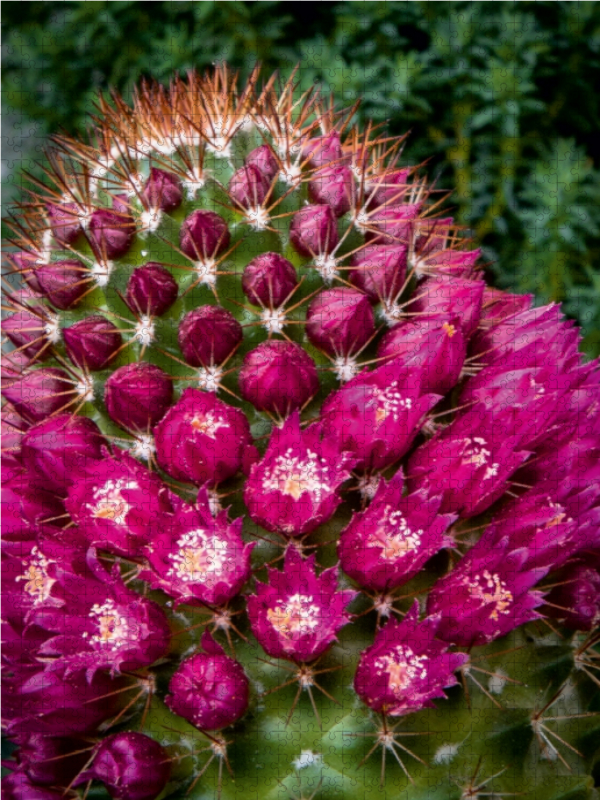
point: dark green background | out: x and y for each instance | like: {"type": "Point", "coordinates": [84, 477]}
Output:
{"type": "Point", "coordinates": [502, 98]}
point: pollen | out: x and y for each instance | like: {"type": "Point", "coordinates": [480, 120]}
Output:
{"type": "Point", "coordinates": [200, 558]}
{"type": "Point", "coordinates": [298, 616]}
{"type": "Point", "coordinates": [110, 503]}
{"type": "Point", "coordinates": [449, 329]}
{"type": "Point", "coordinates": [293, 476]}
{"type": "Point", "coordinates": [37, 581]}
{"type": "Point", "coordinates": [389, 402]}
{"type": "Point", "coordinates": [489, 588]}
{"type": "Point", "coordinates": [113, 628]}
{"type": "Point", "coordinates": [207, 424]}
{"type": "Point", "coordinates": [394, 537]}
{"type": "Point", "coordinates": [475, 452]}
{"type": "Point", "coordinates": [403, 668]}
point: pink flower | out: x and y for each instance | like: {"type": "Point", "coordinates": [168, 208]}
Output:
{"type": "Point", "coordinates": [293, 488]}
{"type": "Point", "coordinates": [389, 543]}
{"type": "Point", "coordinates": [297, 615]}
{"type": "Point", "coordinates": [406, 668]}
{"type": "Point", "coordinates": [201, 439]}
{"type": "Point", "coordinates": [447, 295]}
{"type": "Point", "coordinates": [198, 557]}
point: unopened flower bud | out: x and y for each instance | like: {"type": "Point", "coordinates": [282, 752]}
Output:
{"type": "Point", "coordinates": [340, 321]}
{"type": "Point", "coordinates": [278, 376]}
{"type": "Point", "coordinates": [138, 395]}
{"type": "Point", "coordinates": [264, 160]}
{"type": "Point", "coordinates": [92, 342]}
{"type": "Point", "coordinates": [40, 393]}
{"type": "Point", "coordinates": [323, 150]}
{"type": "Point", "coordinates": [111, 233]}
{"type": "Point", "coordinates": [334, 186]}
{"type": "Point", "coordinates": [314, 231]}
{"type": "Point", "coordinates": [151, 290]}
{"type": "Point", "coordinates": [575, 601]}
{"type": "Point", "coordinates": [247, 187]}
{"type": "Point", "coordinates": [209, 689]}
{"type": "Point", "coordinates": [448, 295]}
{"type": "Point", "coordinates": [208, 335]}
{"type": "Point", "coordinates": [204, 235]}
{"type": "Point", "coordinates": [380, 271]}
{"type": "Point", "coordinates": [268, 280]}
{"type": "Point", "coordinates": [65, 222]}
{"type": "Point", "coordinates": [27, 331]}
{"type": "Point", "coordinates": [63, 282]}
{"type": "Point", "coordinates": [56, 450]}
{"type": "Point", "coordinates": [388, 188]}
{"type": "Point", "coordinates": [162, 190]}
{"type": "Point", "coordinates": [392, 224]}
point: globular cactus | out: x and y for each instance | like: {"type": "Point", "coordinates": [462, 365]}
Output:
{"type": "Point", "coordinates": [295, 504]}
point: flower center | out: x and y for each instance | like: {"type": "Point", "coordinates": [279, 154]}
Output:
{"type": "Point", "coordinates": [402, 667]}
{"type": "Point", "coordinates": [450, 329]}
{"type": "Point", "coordinates": [475, 453]}
{"type": "Point", "coordinates": [300, 615]}
{"type": "Point", "coordinates": [199, 557]}
{"type": "Point", "coordinates": [113, 628]}
{"type": "Point", "coordinates": [389, 402]}
{"type": "Point", "coordinates": [394, 537]}
{"type": "Point", "coordinates": [37, 582]}
{"type": "Point", "coordinates": [110, 503]}
{"type": "Point", "coordinates": [489, 588]}
{"type": "Point", "coordinates": [293, 476]}
{"type": "Point", "coordinates": [207, 424]}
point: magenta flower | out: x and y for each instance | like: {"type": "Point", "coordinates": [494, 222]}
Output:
{"type": "Point", "coordinates": [447, 295]}
{"type": "Point", "coordinates": [575, 601]}
{"type": "Point", "coordinates": [406, 668]}
{"type": "Point", "coordinates": [208, 335]}
{"type": "Point", "coordinates": [340, 321]}
{"type": "Point", "coordinates": [486, 595]}
{"type": "Point", "coordinates": [293, 488]}
{"type": "Point", "coordinates": [389, 543]}
{"type": "Point", "coordinates": [116, 504]}
{"type": "Point", "coordinates": [49, 760]}
{"type": "Point", "coordinates": [268, 280]}
{"type": "Point", "coordinates": [377, 414]}
{"type": "Point", "coordinates": [201, 439]}
{"type": "Point", "coordinates": [323, 149]}
{"type": "Point", "coordinates": [469, 462]}
{"type": "Point", "coordinates": [151, 290]}
{"type": "Point", "coordinates": [392, 224]}
{"type": "Point", "coordinates": [26, 330]}
{"type": "Point", "coordinates": [298, 613]}
{"type": "Point", "coordinates": [498, 305]}
{"type": "Point", "coordinates": [65, 222]}
{"type": "Point", "coordinates": [435, 347]}
{"type": "Point", "coordinates": [131, 765]}
{"type": "Point", "coordinates": [278, 376]}
{"type": "Point", "coordinates": [209, 689]}
{"type": "Point", "coordinates": [198, 557]}
{"type": "Point", "coordinates": [54, 452]}
{"type": "Point", "coordinates": [388, 188]}
{"type": "Point", "coordinates": [138, 395]}
{"type": "Point", "coordinates": [92, 342]}
{"type": "Point", "coordinates": [380, 271]}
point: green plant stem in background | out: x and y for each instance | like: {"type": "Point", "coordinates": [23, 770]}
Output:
{"type": "Point", "coordinates": [503, 95]}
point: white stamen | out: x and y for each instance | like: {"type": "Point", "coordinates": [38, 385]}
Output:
{"type": "Point", "coordinates": [37, 581]}
{"type": "Point", "coordinates": [114, 629]}
{"type": "Point", "coordinates": [293, 476]}
{"type": "Point", "coordinates": [201, 558]}
{"type": "Point", "coordinates": [298, 616]}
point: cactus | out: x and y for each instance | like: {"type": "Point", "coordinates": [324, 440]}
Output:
{"type": "Point", "coordinates": [295, 504]}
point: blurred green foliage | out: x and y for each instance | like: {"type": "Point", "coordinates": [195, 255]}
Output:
{"type": "Point", "coordinates": [502, 98]}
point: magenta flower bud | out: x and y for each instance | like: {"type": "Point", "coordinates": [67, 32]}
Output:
{"type": "Point", "coordinates": [265, 162]}
{"type": "Point", "coordinates": [13, 430]}
{"type": "Point", "coordinates": [201, 439]}
{"type": "Point", "coordinates": [209, 689]}
{"type": "Point", "coordinates": [380, 272]}
{"type": "Point", "coordinates": [487, 595]}
{"type": "Point", "coordinates": [25, 506]}
{"type": "Point", "coordinates": [334, 186]}
{"type": "Point", "coordinates": [47, 701]}
{"type": "Point", "coordinates": [204, 235]}
{"type": "Point", "coordinates": [392, 224]}
{"type": "Point", "coordinates": [92, 342]}
{"type": "Point", "coordinates": [63, 283]}
{"type": "Point", "coordinates": [406, 668]}
{"type": "Point", "coordinates": [377, 415]}
{"type": "Point", "coordinates": [248, 187]}
{"type": "Point", "coordinates": [208, 335]}
{"type": "Point", "coordinates": [293, 489]}
{"type": "Point", "coordinates": [389, 543]}
{"type": "Point", "coordinates": [137, 396]}
{"type": "Point", "coordinates": [96, 623]}
{"type": "Point", "coordinates": [27, 331]}
{"type": "Point", "coordinates": [453, 263]}
{"type": "Point", "coordinates": [433, 346]}
{"type": "Point", "coordinates": [50, 760]}
{"type": "Point", "coordinates": [198, 557]}
{"type": "Point", "coordinates": [151, 290]}
{"type": "Point", "coordinates": [278, 376]}
{"type": "Point", "coordinates": [116, 504]}
{"type": "Point", "coordinates": [390, 188]}
{"type": "Point", "coordinates": [40, 393]}
{"type": "Point", "coordinates": [450, 296]}
{"type": "Point", "coordinates": [65, 222]}
{"type": "Point", "coordinates": [131, 765]}
{"type": "Point", "coordinates": [27, 263]}
{"type": "Point", "coordinates": [469, 462]}
{"type": "Point", "coordinates": [162, 191]}
{"type": "Point", "coordinates": [297, 614]}
{"type": "Point", "coordinates": [340, 321]}
{"type": "Point", "coordinates": [433, 236]}
{"type": "Point", "coordinates": [323, 150]}
{"type": "Point", "coordinates": [19, 786]}
{"type": "Point", "coordinates": [111, 232]}
{"type": "Point", "coordinates": [575, 601]}
{"type": "Point", "coordinates": [498, 305]}
{"type": "Point", "coordinates": [268, 280]}
{"type": "Point", "coordinates": [313, 231]}
{"type": "Point", "coordinates": [55, 451]}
